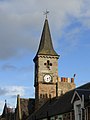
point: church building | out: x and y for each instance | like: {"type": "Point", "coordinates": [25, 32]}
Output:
{"type": "Point", "coordinates": [47, 82]}
{"type": "Point", "coordinates": [56, 98]}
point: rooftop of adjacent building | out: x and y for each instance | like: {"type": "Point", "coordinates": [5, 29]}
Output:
{"type": "Point", "coordinates": [61, 104]}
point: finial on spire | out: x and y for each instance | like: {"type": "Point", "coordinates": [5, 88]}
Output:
{"type": "Point", "coordinates": [5, 101]}
{"type": "Point", "coordinates": [46, 13]}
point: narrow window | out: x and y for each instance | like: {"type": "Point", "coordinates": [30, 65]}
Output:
{"type": "Point", "coordinates": [41, 95]}
{"type": "Point", "coordinates": [49, 95]}
{"type": "Point", "coordinates": [46, 95]}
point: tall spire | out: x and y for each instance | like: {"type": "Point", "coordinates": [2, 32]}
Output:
{"type": "Point", "coordinates": [5, 110]}
{"type": "Point", "coordinates": [46, 46]}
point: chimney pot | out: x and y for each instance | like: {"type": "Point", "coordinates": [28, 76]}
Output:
{"type": "Point", "coordinates": [72, 80]}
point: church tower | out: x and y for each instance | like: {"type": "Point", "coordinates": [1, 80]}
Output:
{"type": "Point", "coordinates": [46, 68]}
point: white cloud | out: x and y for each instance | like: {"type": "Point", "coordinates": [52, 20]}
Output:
{"type": "Point", "coordinates": [72, 37]}
{"type": "Point", "coordinates": [8, 67]}
{"type": "Point", "coordinates": [21, 22]}
{"type": "Point", "coordinates": [12, 91]}
{"type": "Point", "coordinates": [1, 106]}
{"type": "Point", "coordinates": [12, 68]}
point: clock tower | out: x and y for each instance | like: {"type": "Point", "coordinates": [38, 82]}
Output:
{"type": "Point", "coordinates": [46, 68]}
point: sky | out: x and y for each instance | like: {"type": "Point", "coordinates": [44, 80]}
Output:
{"type": "Point", "coordinates": [21, 24]}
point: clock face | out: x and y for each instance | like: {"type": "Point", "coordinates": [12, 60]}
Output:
{"type": "Point", "coordinates": [47, 78]}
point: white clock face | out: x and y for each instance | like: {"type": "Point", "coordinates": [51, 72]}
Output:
{"type": "Point", "coordinates": [47, 78]}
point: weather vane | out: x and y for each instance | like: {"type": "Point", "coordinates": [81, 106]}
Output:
{"type": "Point", "coordinates": [46, 13]}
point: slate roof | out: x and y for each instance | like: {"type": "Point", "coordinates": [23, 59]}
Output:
{"type": "Point", "coordinates": [54, 106]}
{"type": "Point", "coordinates": [57, 106]}
{"type": "Point", "coordinates": [46, 46]}
{"type": "Point", "coordinates": [8, 113]}
{"type": "Point", "coordinates": [84, 92]}
{"type": "Point", "coordinates": [5, 110]}
{"type": "Point", "coordinates": [27, 106]}
{"type": "Point", "coordinates": [24, 108]}
{"type": "Point", "coordinates": [85, 86]}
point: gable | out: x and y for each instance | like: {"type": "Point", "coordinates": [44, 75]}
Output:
{"type": "Point", "coordinates": [75, 97]}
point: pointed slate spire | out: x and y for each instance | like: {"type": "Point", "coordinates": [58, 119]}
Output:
{"type": "Point", "coordinates": [5, 111]}
{"type": "Point", "coordinates": [46, 46]}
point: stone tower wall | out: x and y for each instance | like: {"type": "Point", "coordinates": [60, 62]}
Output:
{"type": "Point", "coordinates": [44, 90]}
{"type": "Point", "coordinates": [65, 85]}
{"type": "Point", "coordinates": [43, 69]}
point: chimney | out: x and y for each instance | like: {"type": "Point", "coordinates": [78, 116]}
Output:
{"type": "Point", "coordinates": [62, 79]}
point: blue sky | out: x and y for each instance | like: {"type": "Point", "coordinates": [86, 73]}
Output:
{"type": "Point", "coordinates": [21, 24]}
